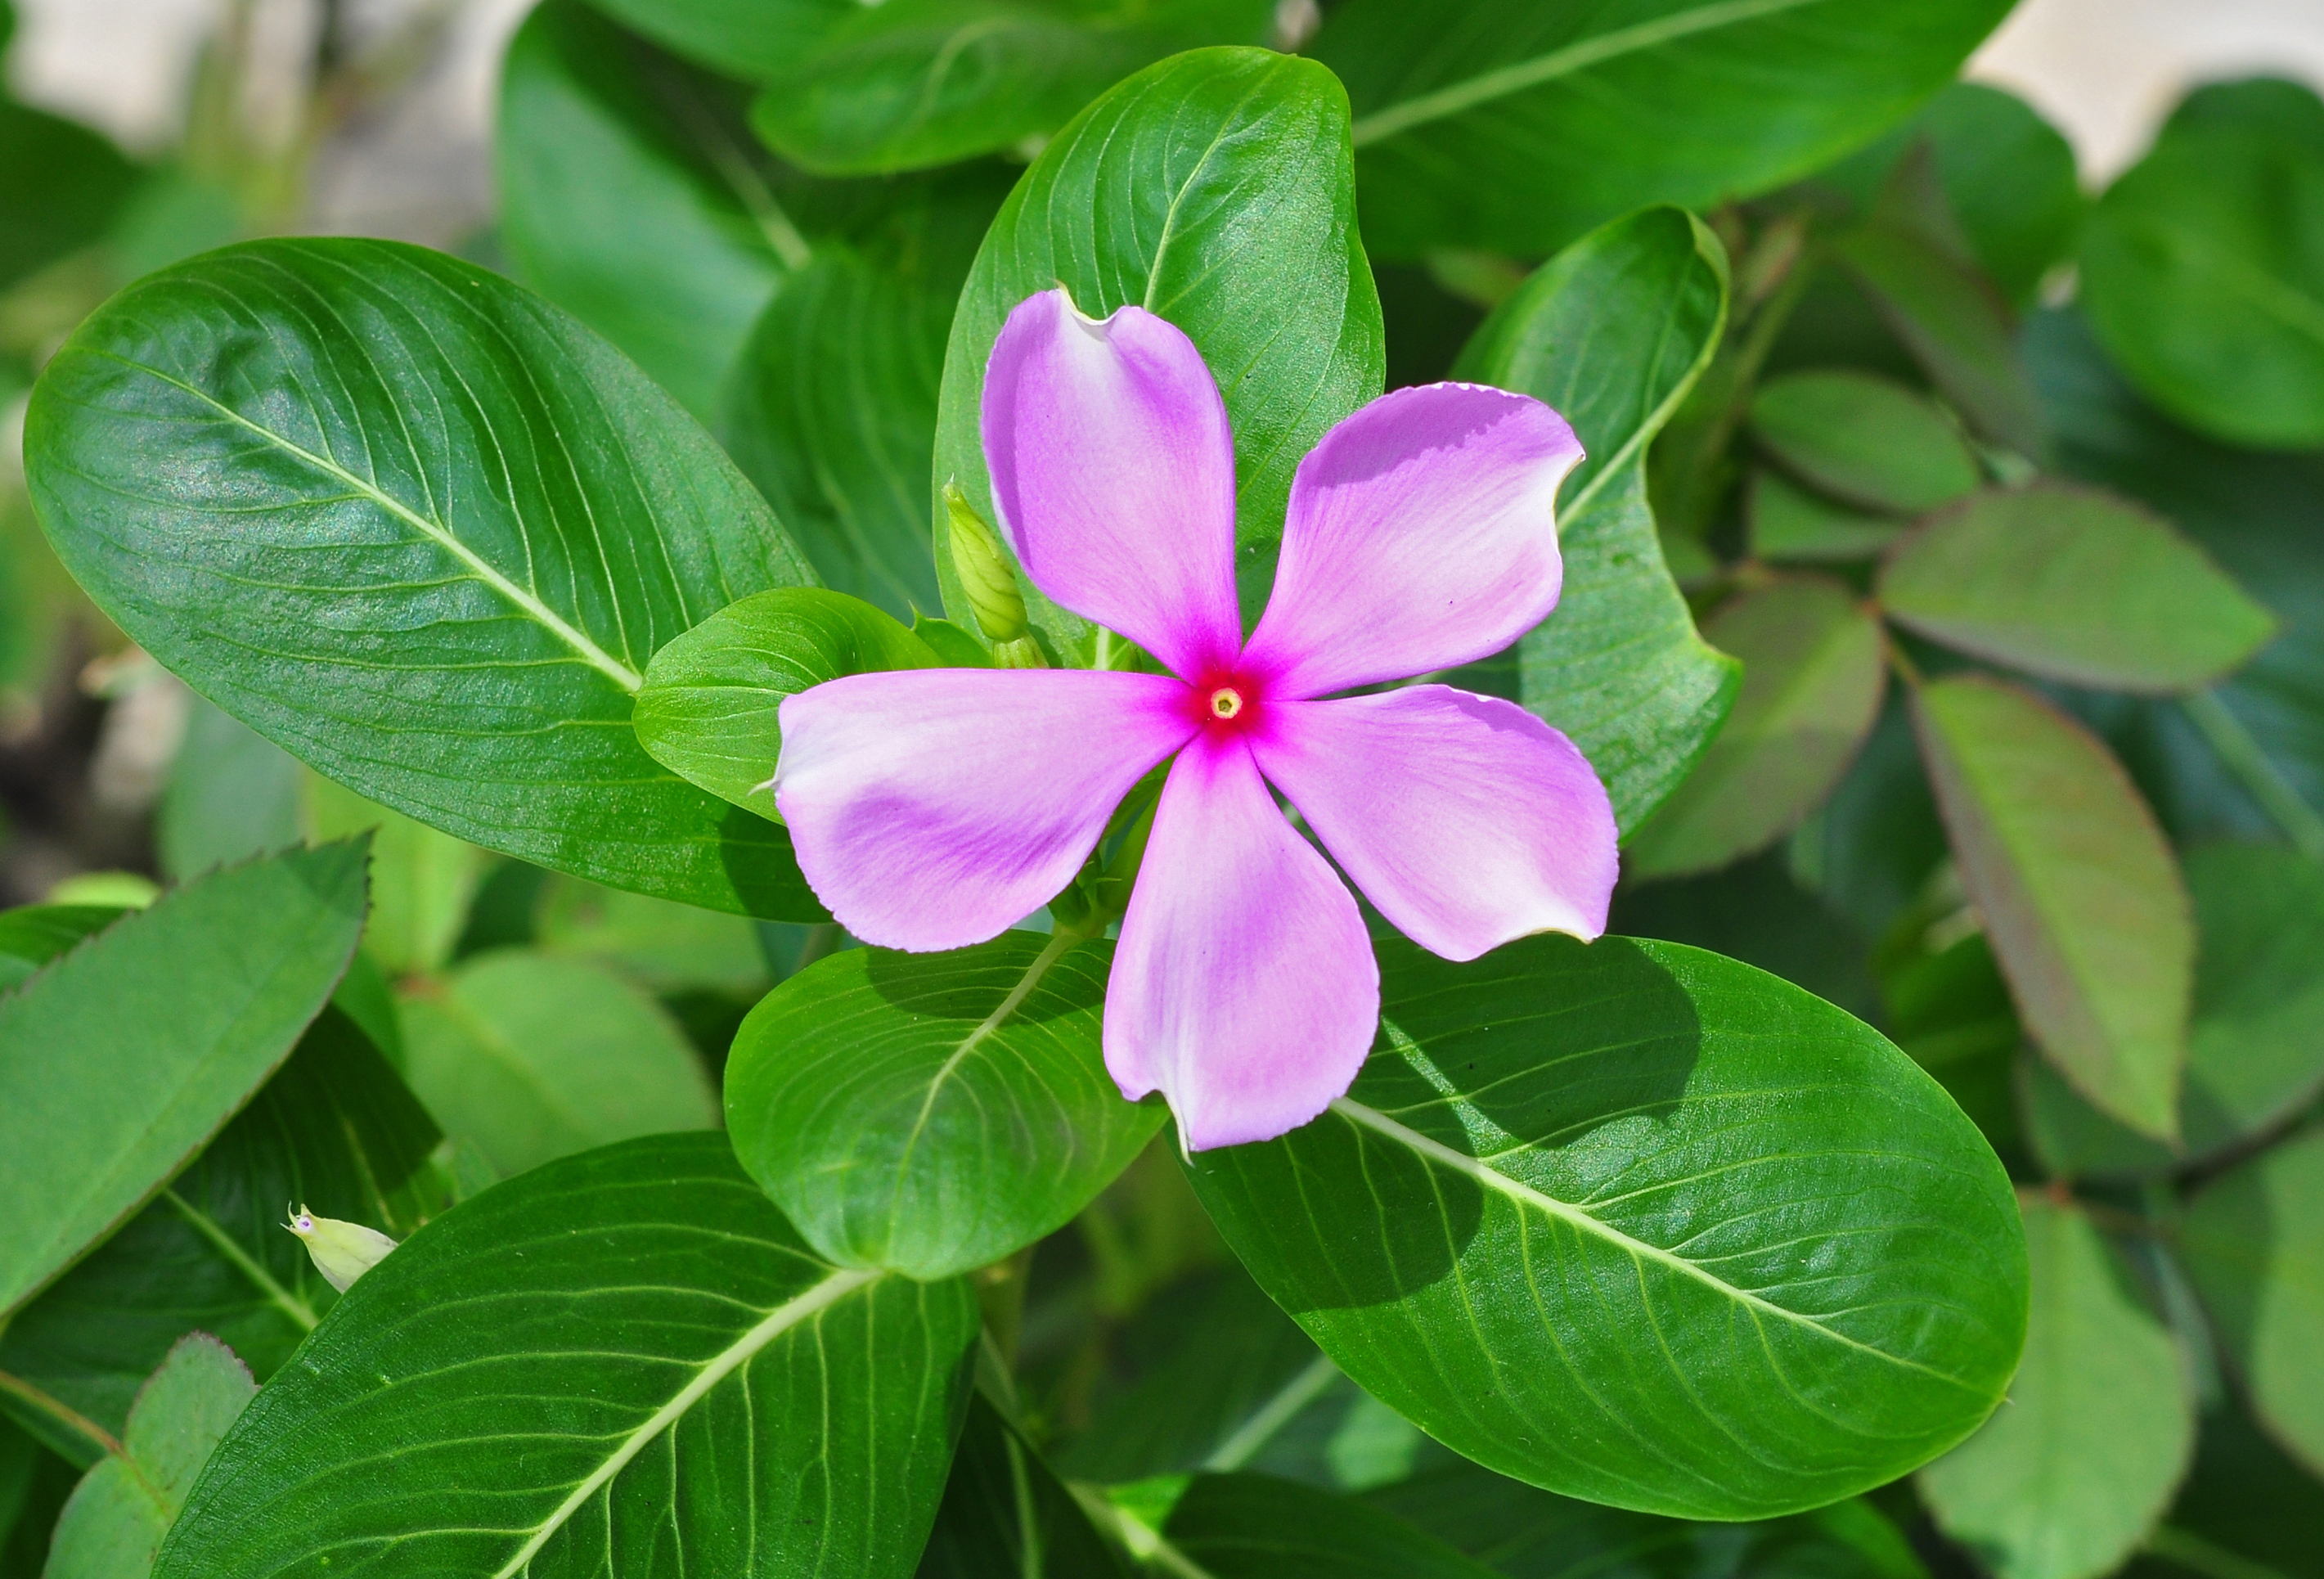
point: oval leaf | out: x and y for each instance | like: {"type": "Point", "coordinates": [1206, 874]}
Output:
{"type": "Point", "coordinates": [2072, 585]}
{"type": "Point", "coordinates": [551, 1358]}
{"type": "Point", "coordinates": [1864, 440]}
{"type": "Point", "coordinates": [2080, 893]}
{"type": "Point", "coordinates": [473, 522]}
{"type": "Point", "coordinates": [1606, 1219]}
{"type": "Point", "coordinates": [933, 1112]}
{"type": "Point", "coordinates": [1612, 333]}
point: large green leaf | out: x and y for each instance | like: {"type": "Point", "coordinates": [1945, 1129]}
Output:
{"type": "Point", "coordinates": [335, 1128]}
{"type": "Point", "coordinates": [119, 1060]}
{"type": "Point", "coordinates": [1612, 333]}
{"type": "Point", "coordinates": [2203, 269]}
{"type": "Point", "coordinates": [1638, 1223]}
{"type": "Point", "coordinates": [933, 1112]}
{"type": "Point", "coordinates": [1215, 189]}
{"type": "Point", "coordinates": [1515, 125]}
{"type": "Point", "coordinates": [744, 38]}
{"type": "Point", "coordinates": [2072, 585]}
{"type": "Point", "coordinates": [530, 1056]}
{"type": "Point", "coordinates": [2078, 891]}
{"type": "Point", "coordinates": [911, 83]}
{"type": "Point", "coordinates": [712, 699]}
{"type": "Point", "coordinates": [59, 184]}
{"type": "Point", "coordinates": [1813, 680]}
{"type": "Point", "coordinates": [2254, 1244]}
{"type": "Point", "coordinates": [423, 530]}
{"type": "Point", "coordinates": [1006, 1513]}
{"type": "Point", "coordinates": [2064, 1482]}
{"type": "Point", "coordinates": [560, 1352]}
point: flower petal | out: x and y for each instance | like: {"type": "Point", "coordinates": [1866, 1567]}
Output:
{"type": "Point", "coordinates": [1422, 534]}
{"type": "Point", "coordinates": [1244, 987]}
{"type": "Point", "coordinates": [1465, 819]}
{"type": "Point", "coordinates": [931, 807]}
{"type": "Point", "coordinates": [1113, 473]}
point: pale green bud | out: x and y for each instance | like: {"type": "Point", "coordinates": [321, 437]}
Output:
{"type": "Point", "coordinates": [341, 1252]}
{"type": "Point", "coordinates": [986, 576]}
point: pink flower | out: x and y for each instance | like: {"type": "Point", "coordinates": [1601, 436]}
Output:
{"type": "Point", "coordinates": [931, 808]}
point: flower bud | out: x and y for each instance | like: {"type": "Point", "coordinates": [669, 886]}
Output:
{"type": "Point", "coordinates": [985, 574]}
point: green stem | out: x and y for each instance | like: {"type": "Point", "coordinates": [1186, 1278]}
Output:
{"type": "Point", "coordinates": [287, 1303]}
{"type": "Point", "coordinates": [1254, 1433]}
{"type": "Point", "coordinates": [62, 1413]}
{"type": "Point", "coordinates": [2242, 756]}
{"type": "Point", "coordinates": [2197, 1555]}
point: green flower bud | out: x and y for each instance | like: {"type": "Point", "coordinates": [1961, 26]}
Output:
{"type": "Point", "coordinates": [985, 575]}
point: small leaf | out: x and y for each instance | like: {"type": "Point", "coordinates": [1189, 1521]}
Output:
{"type": "Point", "coordinates": [708, 707]}
{"type": "Point", "coordinates": [421, 880]}
{"type": "Point", "coordinates": [2080, 893]}
{"type": "Point", "coordinates": [2068, 1475]}
{"type": "Point", "coordinates": [1865, 440]}
{"type": "Point", "coordinates": [551, 1357]}
{"type": "Point", "coordinates": [1612, 333]}
{"type": "Point", "coordinates": [174, 1016]}
{"type": "Point", "coordinates": [1789, 523]}
{"type": "Point", "coordinates": [530, 1056]}
{"type": "Point", "coordinates": [2072, 585]}
{"type": "Point", "coordinates": [1812, 680]}
{"type": "Point", "coordinates": [233, 794]}
{"type": "Point", "coordinates": [929, 1114]}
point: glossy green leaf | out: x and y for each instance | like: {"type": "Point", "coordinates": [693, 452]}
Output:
{"type": "Point", "coordinates": [1006, 1512]}
{"type": "Point", "coordinates": [630, 196]}
{"type": "Point", "coordinates": [1612, 333]}
{"type": "Point", "coordinates": [562, 1351]}
{"type": "Point", "coordinates": [2254, 1242]}
{"type": "Point", "coordinates": [742, 38]}
{"type": "Point", "coordinates": [421, 880]}
{"type": "Point", "coordinates": [912, 83]}
{"type": "Point", "coordinates": [173, 1017]}
{"type": "Point", "coordinates": [1216, 190]}
{"type": "Point", "coordinates": [708, 710]}
{"type": "Point", "coordinates": [115, 1522]}
{"type": "Point", "coordinates": [475, 522]}
{"type": "Point", "coordinates": [335, 1127]}
{"type": "Point", "coordinates": [530, 1056]}
{"type": "Point", "coordinates": [2068, 1476]}
{"type": "Point", "coordinates": [2080, 893]}
{"type": "Point", "coordinates": [1517, 126]}
{"type": "Point", "coordinates": [1864, 440]}
{"type": "Point", "coordinates": [232, 794]}
{"type": "Point", "coordinates": [1812, 678]}
{"type": "Point", "coordinates": [1256, 1527]}
{"type": "Point", "coordinates": [2072, 585]}
{"type": "Point", "coordinates": [933, 1112]}
{"type": "Point", "coordinates": [1789, 523]}
{"type": "Point", "coordinates": [1604, 1218]}
{"type": "Point", "coordinates": [59, 184]}
{"type": "Point", "coordinates": [2204, 272]}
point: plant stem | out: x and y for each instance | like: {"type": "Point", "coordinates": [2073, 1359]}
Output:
{"type": "Point", "coordinates": [2197, 1555]}
{"type": "Point", "coordinates": [62, 1413]}
{"type": "Point", "coordinates": [2242, 756]}
{"type": "Point", "coordinates": [287, 1303]}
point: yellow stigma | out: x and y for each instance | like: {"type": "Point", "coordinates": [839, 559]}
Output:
{"type": "Point", "coordinates": [1226, 702]}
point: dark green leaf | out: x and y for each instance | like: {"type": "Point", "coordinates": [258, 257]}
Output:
{"type": "Point", "coordinates": [2068, 1476]}
{"type": "Point", "coordinates": [1246, 154]}
{"type": "Point", "coordinates": [1864, 440]}
{"type": "Point", "coordinates": [552, 1357]}
{"type": "Point", "coordinates": [742, 38]}
{"type": "Point", "coordinates": [1612, 333]}
{"type": "Point", "coordinates": [912, 83]}
{"type": "Point", "coordinates": [1517, 126]}
{"type": "Point", "coordinates": [711, 696]}
{"type": "Point", "coordinates": [2203, 272]}
{"type": "Point", "coordinates": [1756, 911]}
{"type": "Point", "coordinates": [1789, 523]}
{"type": "Point", "coordinates": [33, 935]}
{"type": "Point", "coordinates": [2072, 585]}
{"type": "Point", "coordinates": [933, 1112]}
{"type": "Point", "coordinates": [1256, 1527]}
{"type": "Point", "coordinates": [2008, 175]}
{"type": "Point", "coordinates": [2245, 1497]}
{"type": "Point", "coordinates": [473, 523]}
{"type": "Point", "coordinates": [232, 794]}
{"type": "Point", "coordinates": [1005, 1512]}
{"type": "Point", "coordinates": [1605, 1218]}
{"type": "Point", "coordinates": [171, 1019]}
{"type": "Point", "coordinates": [59, 184]}
{"type": "Point", "coordinates": [1813, 680]}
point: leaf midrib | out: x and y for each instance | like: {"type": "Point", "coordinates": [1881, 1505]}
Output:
{"type": "Point", "coordinates": [1526, 1195]}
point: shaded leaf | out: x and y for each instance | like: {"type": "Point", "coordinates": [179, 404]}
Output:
{"type": "Point", "coordinates": [1789, 523]}
{"type": "Point", "coordinates": [1005, 1512]}
{"type": "Point", "coordinates": [1256, 1527]}
{"type": "Point", "coordinates": [1864, 440]}
{"type": "Point", "coordinates": [421, 880]}
{"type": "Point", "coordinates": [2008, 176]}
{"type": "Point", "coordinates": [232, 794]}
{"type": "Point", "coordinates": [637, 1317]}
{"type": "Point", "coordinates": [60, 185]}
{"type": "Point", "coordinates": [664, 946]}
{"type": "Point", "coordinates": [742, 38]}
{"type": "Point", "coordinates": [32, 934]}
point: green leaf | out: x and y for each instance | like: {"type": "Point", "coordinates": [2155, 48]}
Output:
{"type": "Point", "coordinates": [1788, 523]}
{"type": "Point", "coordinates": [2080, 893]}
{"type": "Point", "coordinates": [117, 1516]}
{"type": "Point", "coordinates": [2254, 1242]}
{"type": "Point", "coordinates": [561, 1351]}
{"type": "Point", "coordinates": [1605, 1218]}
{"type": "Point", "coordinates": [232, 794]}
{"type": "Point", "coordinates": [1517, 126]}
{"type": "Point", "coordinates": [1812, 680]}
{"type": "Point", "coordinates": [59, 184]}
{"type": "Point", "coordinates": [1245, 152]}
{"type": "Point", "coordinates": [666, 947]}
{"type": "Point", "coordinates": [708, 710]}
{"type": "Point", "coordinates": [1612, 333]}
{"type": "Point", "coordinates": [2204, 272]}
{"type": "Point", "coordinates": [421, 880]}
{"type": "Point", "coordinates": [530, 1056]}
{"type": "Point", "coordinates": [2064, 1482]}
{"type": "Point", "coordinates": [630, 197]}
{"type": "Point", "coordinates": [1005, 1512]}
{"type": "Point", "coordinates": [2009, 178]}
{"type": "Point", "coordinates": [1256, 1527]}
{"type": "Point", "coordinates": [472, 521]}
{"type": "Point", "coordinates": [336, 1128]}
{"type": "Point", "coordinates": [1864, 440]}
{"type": "Point", "coordinates": [2072, 585]}
{"type": "Point", "coordinates": [32, 934]}
{"type": "Point", "coordinates": [173, 1018]}
{"type": "Point", "coordinates": [742, 38]}
{"type": "Point", "coordinates": [929, 1114]}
